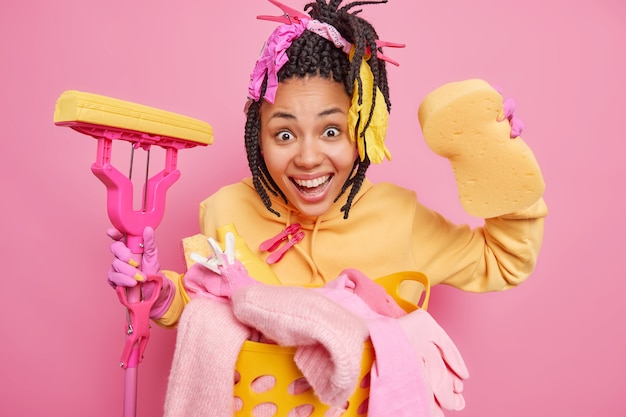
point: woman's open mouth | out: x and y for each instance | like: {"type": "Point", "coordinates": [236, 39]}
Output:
{"type": "Point", "coordinates": [313, 186]}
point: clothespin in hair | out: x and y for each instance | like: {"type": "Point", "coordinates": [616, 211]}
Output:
{"type": "Point", "coordinates": [288, 17]}
{"type": "Point", "coordinates": [381, 44]}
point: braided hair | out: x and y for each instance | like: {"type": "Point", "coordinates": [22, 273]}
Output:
{"type": "Point", "coordinates": [313, 55]}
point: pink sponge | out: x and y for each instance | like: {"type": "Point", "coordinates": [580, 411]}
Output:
{"type": "Point", "coordinates": [495, 174]}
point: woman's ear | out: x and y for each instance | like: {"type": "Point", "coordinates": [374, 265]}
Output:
{"type": "Point", "coordinates": [247, 105]}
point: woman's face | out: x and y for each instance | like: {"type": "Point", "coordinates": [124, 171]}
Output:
{"type": "Point", "coordinates": [305, 142]}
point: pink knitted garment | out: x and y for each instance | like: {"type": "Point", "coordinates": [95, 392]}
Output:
{"type": "Point", "coordinates": [329, 337]}
{"type": "Point", "coordinates": [207, 345]}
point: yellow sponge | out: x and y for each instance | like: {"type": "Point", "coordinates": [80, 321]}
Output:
{"type": "Point", "coordinates": [495, 174]}
{"type": "Point", "coordinates": [77, 106]}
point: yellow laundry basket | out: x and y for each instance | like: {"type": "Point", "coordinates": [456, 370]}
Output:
{"type": "Point", "coordinates": [275, 366]}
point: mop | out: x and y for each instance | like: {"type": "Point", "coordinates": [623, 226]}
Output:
{"type": "Point", "coordinates": [107, 119]}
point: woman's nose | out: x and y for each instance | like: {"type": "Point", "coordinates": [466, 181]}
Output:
{"type": "Point", "coordinates": [309, 153]}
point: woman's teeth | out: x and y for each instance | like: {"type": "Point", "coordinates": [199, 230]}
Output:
{"type": "Point", "coordinates": [311, 183]}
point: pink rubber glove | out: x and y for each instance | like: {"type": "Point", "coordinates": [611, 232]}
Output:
{"type": "Point", "coordinates": [517, 126]}
{"type": "Point", "coordinates": [201, 281]}
{"type": "Point", "coordinates": [125, 271]}
{"type": "Point", "coordinates": [443, 367]}
{"type": "Point", "coordinates": [219, 276]}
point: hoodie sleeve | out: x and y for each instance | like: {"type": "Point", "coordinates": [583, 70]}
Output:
{"type": "Point", "coordinates": [497, 256]}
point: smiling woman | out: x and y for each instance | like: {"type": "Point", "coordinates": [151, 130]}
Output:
{"type": "Point", "coordinates": [530, 351]}
{"type": "Point", "coordinates": [305, 142]}
{"type": "Point", "coordinates": [316, 118]}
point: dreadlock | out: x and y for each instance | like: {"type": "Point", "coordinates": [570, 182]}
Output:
{"type": "Point", "coordinates": [312, 55]}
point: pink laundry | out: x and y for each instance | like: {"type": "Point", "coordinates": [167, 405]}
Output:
{"type": "Point", "coordinates": [397, 386]}
{"type": "Point", "coordinates": [328, 349]}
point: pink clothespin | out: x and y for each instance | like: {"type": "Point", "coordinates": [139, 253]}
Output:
{"type": "Point", "coordinates": [270, 245]}
{"type": "Point", "coordinates": [381, 44]}
{"type": "Point", "coordinates": [288, 17]}
{"type": "Point", "coordinates": [278, 254]}
{"type": "Point", "coordinates": [138, 331]}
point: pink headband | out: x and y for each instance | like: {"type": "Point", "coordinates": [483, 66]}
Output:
{"type": "Point", "coordinates": [274, 54]}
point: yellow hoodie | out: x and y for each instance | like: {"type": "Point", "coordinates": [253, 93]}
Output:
{"type": "Point", "coordinates": [387, 231]}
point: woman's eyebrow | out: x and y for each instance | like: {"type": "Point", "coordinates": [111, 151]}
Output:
{"type": "Point", "coordinates": [330, 111]}
{"type": "Point", "coordinates": [290, 116]}
{"type": "Point", "coordinates": [282, 115]}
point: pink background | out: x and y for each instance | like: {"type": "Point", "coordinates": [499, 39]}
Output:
{"type": "Point", "coordinates": [554, 346]}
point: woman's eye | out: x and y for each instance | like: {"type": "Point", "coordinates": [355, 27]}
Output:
{"type": "Point", "coordinates": [284, 136]}
{"type": "Point", "coordinates": [331, 132]}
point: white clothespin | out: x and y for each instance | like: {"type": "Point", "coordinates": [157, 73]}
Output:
{"type": "Point", "coordinates": [217, 260]}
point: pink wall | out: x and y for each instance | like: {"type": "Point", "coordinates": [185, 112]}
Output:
{"type": "Point", "coordinates": [554, 346]}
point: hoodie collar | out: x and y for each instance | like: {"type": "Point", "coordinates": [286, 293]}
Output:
{"type": "Point", "coordinates": [311, 225]}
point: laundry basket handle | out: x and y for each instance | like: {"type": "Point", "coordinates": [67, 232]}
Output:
{"type": "Point", "coordinates": [393, 282]}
